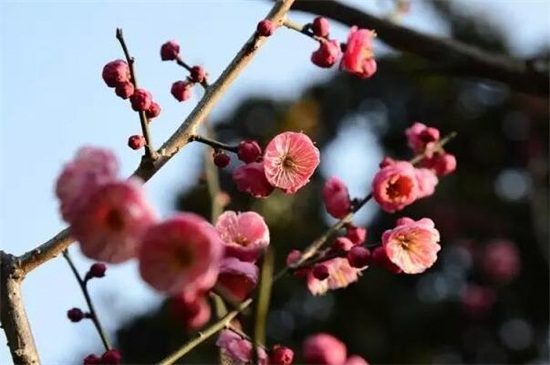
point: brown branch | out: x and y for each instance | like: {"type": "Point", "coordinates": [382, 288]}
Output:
{"type": "Point", "coordinates": [147, 168]}
{"type": "Point", "coordinates": [12, 312]}
{"type": "Point", "coordinates": [459, 58]}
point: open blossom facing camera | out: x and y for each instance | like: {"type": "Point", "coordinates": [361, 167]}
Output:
{"type": "Point", "coordinates": [91, 168]}
{"type": "Point", "coordinates": [412, 245]}
{"type": "Point", "coordinates": [336, 197]}
{"type": "Point", "coordinates": [290, 159]}
{"type": "Point", "coordinates": [111, 223]}
{"type": "Point", "coordinates": [395, 186]}
{"type": "Point", "coordinates": [181, 254]}
{"type": "Point", "coordinates": [358, 57]}
{"type": "Point", "coordinates": [245, 235]}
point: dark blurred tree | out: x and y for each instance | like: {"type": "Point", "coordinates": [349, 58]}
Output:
{"type": "Point", "coordinates": [500, 191]}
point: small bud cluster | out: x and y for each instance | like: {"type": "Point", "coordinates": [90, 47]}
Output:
{"type": "Point", "coordinates": [357, 56]}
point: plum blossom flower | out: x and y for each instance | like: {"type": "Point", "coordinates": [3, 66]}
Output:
{"type": "Point", "coordinates": [412, 245]}
{"type": "Point", "coordinates": [395, 186]}
{"type": "Point", "coordinates": [181, 254]}
{"type": "Point", "coordinates": [356, 360]}
{"type": "Point", "coordinates": [237, 277]}
{"type": "Point", "coordinates": [238, 348]}
{"type": "Point", "coordinates": [358, 57]}
{"type": "Point", "coordinates": [341, 274]}
{"type": "Point", "coordinates": [336, 197]}
{"type": "Point", "coordinates": [91, 168]}
{"type": "Point", "coordinates": [281, 355]}
{"type": "Point", "coordinates": [441, 162]}
{"type": "Point", "coordinates": [290, 159]}
{"type": "Point", "coordinates": [324, 348]}
{"type": "Point", "coordinates": [193, 312]}
{"type": "Point", "coordinates": [426, 181]}
{"type": "Point", "coordinates": [327, 54]}
{"type": "Point", "coordinates": [251, 179]}
{"type": "Point", "coordinates": [110, 225]}
{"type": "Point", "coordinates": [245, 235]}
{"type": "Point", "coordinates": [421, 137]}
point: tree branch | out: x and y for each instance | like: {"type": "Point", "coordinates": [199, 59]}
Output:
{"type": "Point", "coordinates": [460, 58]}
{"type": "Point", "coordinates": [148, 168]}
{"type": "Point", "coordinates": [12, 312]}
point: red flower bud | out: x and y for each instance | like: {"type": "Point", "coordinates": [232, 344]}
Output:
{"type": "Point", "coordinates": [320, 272]}
{"type": "Point", "coordinates": [221, 159]}
{"type": "Point", "coordinates": [97, 270]}
{"type": "Point", "coordinates": [358, 256]}
{"type": "Point", "coordinates": [116, 72]}
{"type": "Point", "coordinates": [265, 28]}
{"type": "Point", "coordinates": [249, 151]}
{"type": "Point", "coordinates": [75, 314]}
{"type": "Point", "coordinates": [153, 111]}
{"type": "Point", "coordinates": [198, 74]}
{"type": "Point", "coordinates": [169, 51]}
{"type": "Point", "coordinates": [141, 100]}
{"type": "Point", "coordinates": [111, 357]}
{"type": "Point", "coordinates": [124, 89]}
{"type": "Point", "coordinates": [320, 27]}
{"type": "Point", "coordinates": [135, 142]}
{"type": "Point", "coordinates": [181, 90]}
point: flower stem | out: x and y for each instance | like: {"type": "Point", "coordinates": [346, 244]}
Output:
{"type": "Point", "coordinates": [304, 29]}
{"type": "Point", "coordinates": [183, 64]}
{"type": "Point", "coordinates": [93, 315]}
{"type": "Point", "coordinates": [144, 121]}
{"type": "Point", "coordinates": [213, 143]}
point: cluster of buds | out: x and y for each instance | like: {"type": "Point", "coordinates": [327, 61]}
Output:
{"type": "Point", "coordinates": [181, 90]}
{"type": "Point", "coordinates": [356, 56]}
{"type": "Point", "coordinates": [116, 74]}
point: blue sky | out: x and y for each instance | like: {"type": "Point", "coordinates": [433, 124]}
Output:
{"type": "Point", "coordinates": [53, 101]}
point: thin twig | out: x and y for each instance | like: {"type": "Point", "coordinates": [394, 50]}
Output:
{"type": "Point", "coordinates": [213, 143]}
{"type": "Point", "coordinates": [262, 303]}
{"type": "Point", "coordinates": [302, 29]}
{"type": "Point", "coordinates": [93, 314]}
{"type": "Point", "coordinates": [144, 121]}
{"type": "Point", "coordinates": [183, 64]}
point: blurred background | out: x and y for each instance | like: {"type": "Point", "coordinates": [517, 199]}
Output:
{"type": "Point", "coordinates": [485, 301]}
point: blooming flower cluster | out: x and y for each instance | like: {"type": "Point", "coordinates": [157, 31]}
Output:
{"type": "Point", "coordinates": [398, 183]}
{"type": "Point", "coordinates": [357, 57]}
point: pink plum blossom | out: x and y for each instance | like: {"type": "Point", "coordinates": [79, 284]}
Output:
{"type": "Point", "coordinates": [395, 186]}
{"type": "Point", "coordinates": [325, 349]}
{"type": "Point", "coordinates": [341, 274]}
{"type": "Point", "coordinates": [419, 137]}
{"type": "Point", "coordinates": [237, 277]}
{"type": "Point", "coordinates": [358, 57]}
{"type": "Point", "coordinates": [412, 245]}
{"type": "Point", "coordinates": [91, 167]}
{"type": "Point", "coordinates": [110, 225]}
{"type": "Point", "coordinates": [357, 235]}
{"type": "Point", "coordinates": [290, 159]}
{"type": "Point", "coordinates": [251, 179]}
{"type": "Point", "coordinates": [281, 355]}
{"type": "Point", "coordinates": [442, 163]}
{"type": "Point", "coordinates": [336, 198]}
{"type": "Point", "coordinates": [379, 256]}
{"type": "Point", "coordinates": [194, 312]}
{"type": "Point", "coordinates": [245, 234]}
{"type": "Point", "coordinates": [327, 54]}
{"type": "Point", "coordinates": [238, 348]}
{"type": "Point", "coordinates": [426, 181]}
{"type": "Point", "coordinates": [181, 255]}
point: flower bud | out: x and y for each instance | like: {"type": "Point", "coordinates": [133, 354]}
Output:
{"type": "Point", "coordinates": [153, 111]}
{"type": "Point", "coordinates": [181, 90]}
{"type": "Point", "coordinates": [281, 355]}
{"type": "Point", "coordinates": [320, 27]}
{"type": "Point", "coordinates": [141, 100]}
{"type": "Point", "coordinates": [358, 257]}
{"type": "Point", "coordinates": [221, 159]}
{"type": "Point", "coordinates": [124, 89]}
{"type": "Point", "coordinates": [320, 272]}
{"type": "Point", "coordinates": [97, 270]}
{"type": "Point", "coordinates": [111, 357]}
{"type": "Point", "coordinates": [169, 51]}
{"type": "Point", "coordinates": [198, 74]}
{"type": "Point", "coordinates": [116, 72]}
{"type": "Point", "coordinates": [249, 151]}
{"type": "Point", "coordinates": [327, 54]}
{"type": "Point", "coordinates": [75, 314]}
{"type": "Point", "coordinates": [136, 142]}
{"type": "Point", "coordinates": [265, 28]}
{"type": "Point", "coordinates": [91, 360]}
